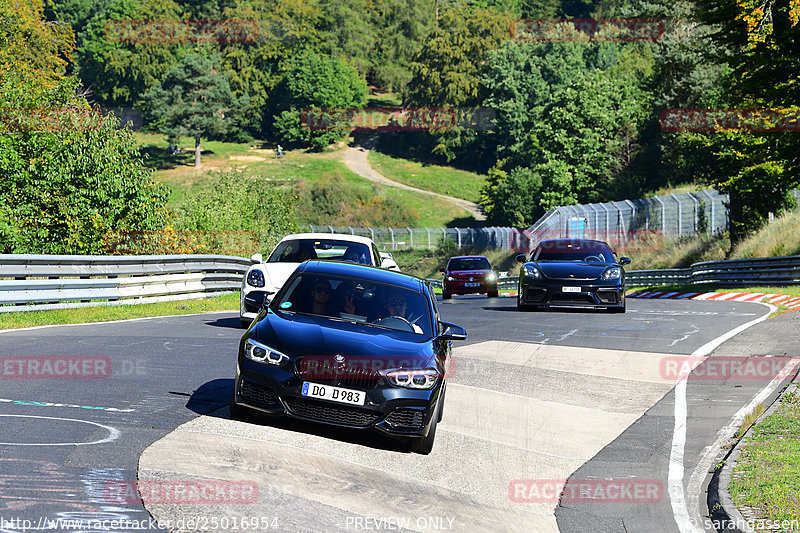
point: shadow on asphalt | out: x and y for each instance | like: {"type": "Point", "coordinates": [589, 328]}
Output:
{"type": "Point", "coordinates": [549, 310]}
{"type": "Point", "coordinates": [230, 322]}
{"type": "Point", "coordinates": [211, 397]}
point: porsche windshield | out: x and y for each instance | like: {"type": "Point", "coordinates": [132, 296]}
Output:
{"type": "Point", "coordinates": [299, 250]}
{"type": "Point", "coordinates": [356, 300]}
{"type": "Point", "coordinates": [589, 252]}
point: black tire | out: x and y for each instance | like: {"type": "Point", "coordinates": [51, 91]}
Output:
{"type": "Point", "coordinates": [492, 294]}
{"type": "Point", "coordinates": [424, 445]}
{"type": "Point", "coordinates": [521, 306]}
{"type": "Point", "coordinates": [441, 405]}
{"type": "Point", "coordinates": [620, 309]}
{"type": "Point", "coordinates": [446, 295]}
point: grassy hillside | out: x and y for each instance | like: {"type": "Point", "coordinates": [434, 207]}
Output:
{"type": "Point", "coordinates": [443, 180]}
{"type": "Point", "coordinates": [309, 171]}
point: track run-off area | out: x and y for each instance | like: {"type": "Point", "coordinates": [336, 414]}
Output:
{"type": "Point", "coordinates": [569, 420]}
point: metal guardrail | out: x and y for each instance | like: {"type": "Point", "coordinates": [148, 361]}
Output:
{"type": "Point", "coordinates": [739, 272]}
{"type": "Point", "coordinates": [34, 282]}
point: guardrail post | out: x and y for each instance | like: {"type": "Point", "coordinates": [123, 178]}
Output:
{"type": "Point", "coordinates": [391, 232]}
{"type": "Point", "coordinates": [429, 237]}
{"type": "Point", "coordinates": [352, 232]}
{"type": "Point", "coordinates": [372, 233]}
{"type": "Point", "coordinates": [458, 232]}
{"type": "Point", "coordinates": [411, 236]}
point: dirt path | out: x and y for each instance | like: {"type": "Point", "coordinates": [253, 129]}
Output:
{"type": "Point", "coordinates": [356, 160]}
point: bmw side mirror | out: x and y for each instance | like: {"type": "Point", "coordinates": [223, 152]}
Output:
{"type": "Point", "coordinates": [521, 258]}
{"type": "Point", "coordinates": [453, 332]}
{"type": "Point", "coordinates": [256, 258]}
{"type": "Point", "coordinates": [624, 261]}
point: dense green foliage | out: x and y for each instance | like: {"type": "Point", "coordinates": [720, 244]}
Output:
{"type": "Point", "coordinates": [67, 175]}
{"type": "Point", "coordinates": [239, 203]}
{"type": "Point", "coordinates": [195, 100]}
{"type": "Point", "coordinates": [313, 85]}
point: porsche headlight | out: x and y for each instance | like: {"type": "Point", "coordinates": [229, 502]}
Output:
{"type": "Point", "coordinates": [413, 379]}
{"type": "Point", "coordinates": [612, 273]}
{"type": "Point", "coordinates": [532, 272]}
{"type": "Point", "coordinates": [255, 278]}
{"type": "Point", "coordinates": [255, 351]}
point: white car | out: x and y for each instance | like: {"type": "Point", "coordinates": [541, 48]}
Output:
{"type": "Point", "coordinates": [264, 278]}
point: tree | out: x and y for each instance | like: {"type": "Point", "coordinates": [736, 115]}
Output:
{"type": "Point", "coordinates": [120, 56]}
{"type": "Point", "coordinates": [320, 84]}
{"type": "Point", "coordinates": [568, 120]}
{"type": "Point", "coordinates": [195, 100]}
{"type": "Point", "coordinates": [67, 180]}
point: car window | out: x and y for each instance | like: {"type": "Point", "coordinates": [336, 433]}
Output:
{"type": "Point", "coordinates": [299, 250]}
{"type": "Point", "coordinates": [469, 263]}
{"type": "Point", "coordinates": [571, 251]}
{"type": "Point", "coordinates": [355, 300]}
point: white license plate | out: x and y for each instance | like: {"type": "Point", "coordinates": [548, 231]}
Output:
{"type": "Point", "coordinates": [472, 284]}
{"type": "Point", "coordinates": [570, 289]}
{"type": "Point", "coordinates": [334, 394]}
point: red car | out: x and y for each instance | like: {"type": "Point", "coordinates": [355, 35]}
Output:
{"type": "Point", "coordinates": [469, 274]}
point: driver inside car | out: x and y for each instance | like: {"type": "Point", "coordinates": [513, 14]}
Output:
{"type": "Point", "coordinates": [396, 305]}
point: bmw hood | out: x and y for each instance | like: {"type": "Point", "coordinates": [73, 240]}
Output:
{"type": "Point", "coordinates": [571, 269]}
{"type": "Point", "coordinates": [300, 335]}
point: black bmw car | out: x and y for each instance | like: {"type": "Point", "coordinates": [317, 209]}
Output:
{"type": "Point", "coordinates": [352, 346]}
{"type": "Point", "coordinates": [572, 273]}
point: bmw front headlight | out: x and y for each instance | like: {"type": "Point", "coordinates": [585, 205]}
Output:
{"type": "Point", "coordinates": [413, 379]}
{"type": "Point", "coordinates": [255, 278]}
{"type": "Point", "coordinates": [491, 276]}
{"type": "Point", "coordinates": [255, 351]}
{"type": "Point", "coordinates": [532, 272]}
{"type": "Point", "coordinates": [612, 273]}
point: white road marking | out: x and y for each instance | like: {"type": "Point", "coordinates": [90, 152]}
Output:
{"type": "Point", "coordinates": [113, 433]}
{"type": "Point", "coordinates": [676, 492]}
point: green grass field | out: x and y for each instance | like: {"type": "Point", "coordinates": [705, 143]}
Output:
{"type": "Point", "coordinates": [767, 473]}
{"type": "Point", "coordinates": [106, 313]}
{"type": "Point", "coordinates": [443, 180]}
{"type": "Point", "coordinates": [177, 171]}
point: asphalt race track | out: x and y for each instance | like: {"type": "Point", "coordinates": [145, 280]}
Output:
{"type": "Point", "coordinates": [533, 399]}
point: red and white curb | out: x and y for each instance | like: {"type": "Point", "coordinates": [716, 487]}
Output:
{"type": "Point", "coordinates": [790, 302]}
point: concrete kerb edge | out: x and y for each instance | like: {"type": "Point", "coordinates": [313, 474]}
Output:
{"type": "Point", "coordinates": [718, 496]}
